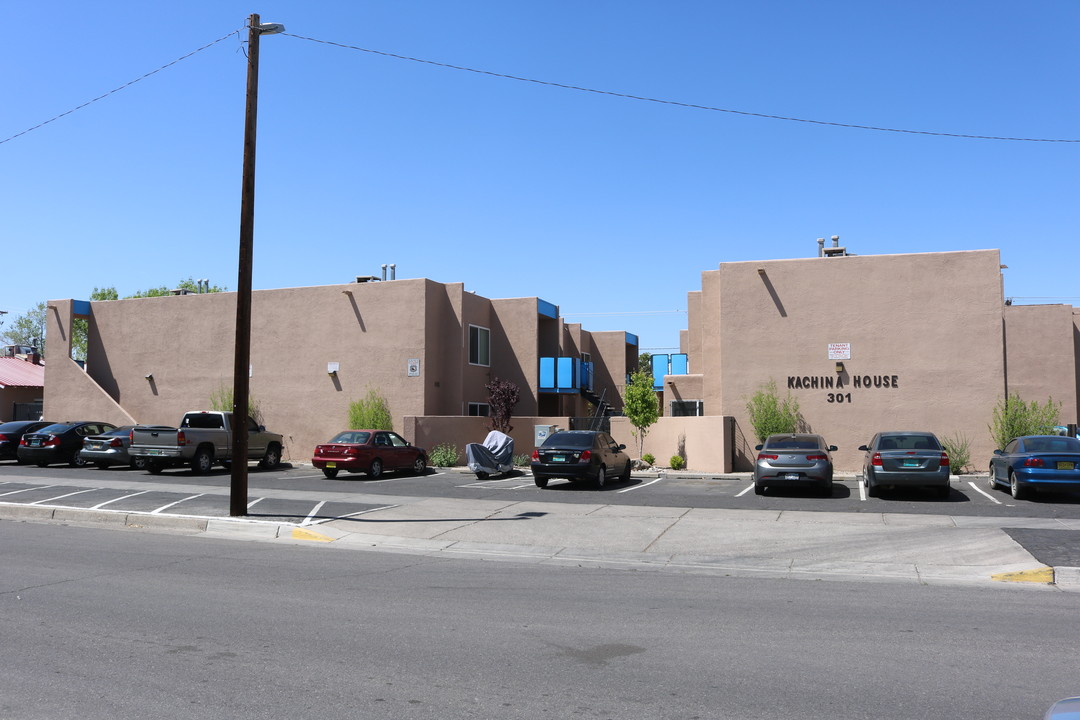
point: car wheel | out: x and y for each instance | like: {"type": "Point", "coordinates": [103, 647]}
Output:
{"type": "Point", "coordinates": [872, 489]}
{"type": "Point", "coordinates": [330, 472]}
{"type": "Point", "coordinates": [1018, 491]}
{"type": "Point", "coordinates": [154, 468]}
{"type": "Point", "coordinates": [759, 489]}
{"type": "Point", "coordinates": [77, 460]}
{"type": "Point", "coordinates": [601, 477]}
{"type": "Point", "coordinates": [375, 470]}
{"type": "Point", "coordinates": [481, 476]}
{"type": "Point", "coordinates": [419, 466]}
{"type": "Point", "coordinates": [202, 462]}
{"type": "Point", "coordinates": [540, 482]}
{"type": "Point", "coordinates": [102, 465]}
{"type": "Point", "coordinates": [626, 473]}
{"type": "Point", "coordinates": [138, 463]}
{"type": "Point", "coordinates": [42, 463]}
{"type": "Point", "coordinates": [992, 481]}
{"type": "Point", "coordinates": [272, 458]}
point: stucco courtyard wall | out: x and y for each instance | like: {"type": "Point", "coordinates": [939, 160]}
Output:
{"type": "Point", "coordinates": [705, 443]}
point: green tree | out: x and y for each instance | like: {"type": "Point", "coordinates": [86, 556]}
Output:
{"type": "Point", "coordinates": [640, 405]}
{"type": "Point", "coordinates": [190, 285]}
{"type": "Point", "coordinates": [28, 328]}
{"type": "Point", "coordinates": [644, 362]}
{"type": "Point", "coordinates": [370, 412]}
{"type": "Point", "coordinates": [1013, 418]}
{"type": "Point", "coordinates": [222, 401]}
{"type": "Point", "coordinates": [769, 415]}
{"type": "Point", "coordinates": [503, 396]}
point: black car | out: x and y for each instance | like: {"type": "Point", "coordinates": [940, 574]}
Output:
{"type": "Point", "coordinates": [59, 442]}
{"type": "Point", "coordinates": [11, 433]}
{"type": "Point", "coordinates": [579, 455]}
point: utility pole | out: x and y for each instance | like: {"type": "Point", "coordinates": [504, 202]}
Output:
{"type": "Point", "coordinates": [238, 494]}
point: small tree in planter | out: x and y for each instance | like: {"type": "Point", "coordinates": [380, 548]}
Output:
{"type": "Point", "coordinates": [769, 415]}
{"type": "Point", "coordinates": [640, 406]}
{"type": "Point", "coordinates": [370, 413]}
{"type": "Point", "coordinates": [1015, 418]}
{"type": "Point", "coordinates": [503, 396]}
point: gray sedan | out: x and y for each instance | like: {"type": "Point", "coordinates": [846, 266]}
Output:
{"type": "Point", "coordinates": [110, 448]}
{"type": "Point", "coordinates": [905, 459]}
{"type": "Point", "coordinates": [794, 460]}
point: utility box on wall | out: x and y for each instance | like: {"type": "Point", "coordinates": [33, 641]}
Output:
{"type": "Point", "coordinates": [541, 433]}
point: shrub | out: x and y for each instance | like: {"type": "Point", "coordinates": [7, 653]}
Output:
{"type": "Point", "coordinates": [503, 396]}
{"type": "Point", "coordinates": [959, 449]}
{"type": "Point", "coordinates": [1015, 418]}
{"type": "Point", "coordinates": [522, 460]}
{"type": "Point", "coordinates": [769, 415]}
{"type": "Point", "coordinates": [649, 458]}
{"type": "Point", "coordinates": [443, 455]}
{"type": "Point", "coordinates": [677, 462]}
{"type": "Point", "coordinates": [370, 413]}
{"type": "Point", "coordinates": [222, 401]}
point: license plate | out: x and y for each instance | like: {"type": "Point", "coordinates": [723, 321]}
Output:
{"type": "Point", "coordinates": [911, 463]}
{"type": "Point", "coordinates": [34, 443]}
{"type": "Point", "coordinates": [1066, 465]}
{"type": "Point", "coordinates": [558, 458]}
{"type": "Point", "coordinates": [153, 452]}
{"type": "Point", "coordinates": [791, 476]}
{"type": "Point", "coordinates": [95, 446]}
{"type": "Point", "coordinates": [331, 464]}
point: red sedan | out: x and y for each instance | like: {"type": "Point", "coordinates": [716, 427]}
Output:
{"type": "Point", "coordinates": [368, 451]}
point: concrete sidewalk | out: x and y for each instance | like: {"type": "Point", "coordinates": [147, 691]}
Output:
{"type": "Point", "coordinates": [889, 547]}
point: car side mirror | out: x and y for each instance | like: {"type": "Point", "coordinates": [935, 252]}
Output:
{"type": "Point", "coordinates": [758, 447]}
{"type": "Point", "coordinates": [864, 448]}
{"type": "Point", "coordinates": [622, 447]}
{"type": "Point", "coordinates": [998, 452]}
{"type": "Point", "coordinates": [832, 448]}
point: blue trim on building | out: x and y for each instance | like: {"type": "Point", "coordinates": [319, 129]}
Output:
{"type": "Point", "coordinates": [631, 339]}
{"type": "Point", "coordinates": [80, 307]}
{"type": "Point", "coordinates": [543, 307]}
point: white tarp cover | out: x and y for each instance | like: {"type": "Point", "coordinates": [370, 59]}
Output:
{"type": "Point", "coordinates": [495, 455]}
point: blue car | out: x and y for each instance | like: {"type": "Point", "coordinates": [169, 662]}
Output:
{"type": "Point", "coordinates": [1047, 462]}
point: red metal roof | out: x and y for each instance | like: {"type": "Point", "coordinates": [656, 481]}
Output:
{"type": "Point", "coordinates": [16, 372]}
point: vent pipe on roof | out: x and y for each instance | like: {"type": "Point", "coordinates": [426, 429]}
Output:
{"type": "Point", "coordinates": [384, 272]}
{"type": "Point", "coordinates": [393, 271]}
{"type": "Point", "coordinates": [821, 247]}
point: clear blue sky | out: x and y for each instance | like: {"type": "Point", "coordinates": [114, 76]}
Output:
{"type": "Point", "coordinates": [606, 206]}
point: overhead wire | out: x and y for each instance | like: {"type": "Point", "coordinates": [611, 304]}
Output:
{"type": "Point", "coordinates": [676, 103]}
{"type": "Point", "coordinates": [122, 87]}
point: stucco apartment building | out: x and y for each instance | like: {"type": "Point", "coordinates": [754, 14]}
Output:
{"type": "Point", "coordinates": [865, 343]}
{"type": "Point", "coordinates": [429, 348]}
{"type": "Point", "coordinates": [920, 341]}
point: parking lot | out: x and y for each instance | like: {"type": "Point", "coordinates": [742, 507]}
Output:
{"type": "Point", "coordinates": [302, 495]}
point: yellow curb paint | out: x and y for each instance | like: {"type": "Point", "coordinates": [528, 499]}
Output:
{"type": "Point", "coordinates": [301, 534]}
{"type": "Point", "coordinates": [1036, 575]}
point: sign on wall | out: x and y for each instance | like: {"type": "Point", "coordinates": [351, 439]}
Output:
{"type": "Point", "coordinates": [413, 367]}
{"type": "Point", "coordinates": [839, 351]}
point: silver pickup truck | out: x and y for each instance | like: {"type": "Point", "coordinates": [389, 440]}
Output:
{"type": "Point", "coordinates": [203, 439]}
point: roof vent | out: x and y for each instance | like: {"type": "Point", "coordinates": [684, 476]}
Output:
{"type": "Point", "coordinates": [366, 278]}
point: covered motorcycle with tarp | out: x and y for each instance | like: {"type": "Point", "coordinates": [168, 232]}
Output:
{"type": "Point", "coordinates": [494, 455]}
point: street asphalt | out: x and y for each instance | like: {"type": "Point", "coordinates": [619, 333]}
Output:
{"type": "Point", "coordinates": [883, 547]}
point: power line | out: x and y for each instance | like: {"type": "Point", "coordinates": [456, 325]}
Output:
{"type": "Point", "coordinates": [122, 87]}
{"type": "Point", "coordinates": [675, 102]}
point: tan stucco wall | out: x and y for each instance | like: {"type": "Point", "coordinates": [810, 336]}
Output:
{"type": "Point", "coordinates": [932, 320]}
{"type": "Point", "coordinates": [704, 442]}
{"type": "Point", "coordinates": [1040, 359]}
{"type": "Point", "coordinates": [11, 396]}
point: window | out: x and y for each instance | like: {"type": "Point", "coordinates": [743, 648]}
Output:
{"type": "Point", "coordinates": [687, 408]}
{"type": "Point", "coordinates": [479, 410]}
{"type": "Point", "coordinates": [479, 345]}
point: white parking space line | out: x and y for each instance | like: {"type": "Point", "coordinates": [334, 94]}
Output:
{"type": "Point", "coordinates": [862, 488]}
{"type": "Point", "coordinates": [636, 487]}
{"type": "Point", "coordinates": [254, 502]}
{"type": "Point", "coordinates": [38, 487]}
{"type": "Point", "coordinates": [122, 497]}
{"type": "Point", "coordinates": [494, 483]}
{"type": "Point", "coordinates": [313, 513]}
{"type": "Point", "coordinates": [163, 508]}
{"type": "Point", "coordinates": [60, 497]}
{"type": "Point", "coordinates": [745, 490]}
{"type": "Point", "coordinates": [985, 494]}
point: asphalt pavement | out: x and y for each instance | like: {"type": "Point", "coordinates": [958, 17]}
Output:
{"type": "Point", "coordinates": [933, 549]}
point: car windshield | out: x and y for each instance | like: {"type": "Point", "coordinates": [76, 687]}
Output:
{"type": "Point", "coordinates": [791, 444]}
{"type": "Point", "coordinates": [909, 441]}
{"type": "Point", "coordinates": [569, 440]}
{"type": "Point", "coordinates": [351, 436]}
